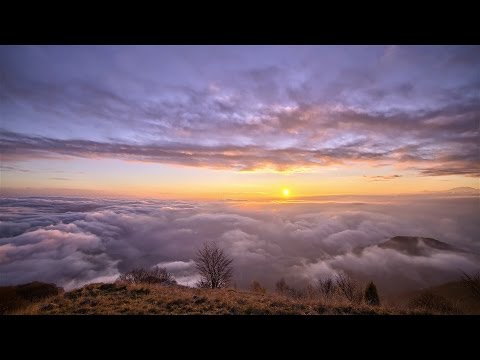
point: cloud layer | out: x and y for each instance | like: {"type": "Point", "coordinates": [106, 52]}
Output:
{"type": "Point", "coordinates": [75, 241]}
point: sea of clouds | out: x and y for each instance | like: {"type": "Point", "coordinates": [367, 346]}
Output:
{"type": "Point", "coordinates": [73, 241]}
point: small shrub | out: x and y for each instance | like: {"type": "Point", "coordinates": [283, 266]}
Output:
{"type": "Point", "coordinates": [156, 275]}
{"type": "Point", "coordinates": [256, 287]}
{"type": "Point", "coordinates": [432, 302]}
{"type": "Point", "coordinates": [371, 294]}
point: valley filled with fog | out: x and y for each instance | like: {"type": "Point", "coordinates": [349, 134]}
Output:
{"type": "Point", "coordinates": [74, 241]}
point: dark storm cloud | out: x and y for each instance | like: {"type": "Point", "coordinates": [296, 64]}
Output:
{"type": "Point", "coordinates": [75, 241]}
{"type": "Point", "coordinates": [247, 107]}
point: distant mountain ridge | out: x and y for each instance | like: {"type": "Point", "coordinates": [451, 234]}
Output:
{"type": "Point", "coordinates": [412, 245]}
{"type": "Point", "coordinates": [464, 190]}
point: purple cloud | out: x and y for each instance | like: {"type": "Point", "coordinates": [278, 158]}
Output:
{"type": "Point", "coordinates": [245, 108]}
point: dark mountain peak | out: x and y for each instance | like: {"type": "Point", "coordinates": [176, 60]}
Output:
{"type": "Point", "coordinates": [414, 245]}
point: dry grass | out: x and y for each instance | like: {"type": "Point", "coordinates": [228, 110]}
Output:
{"type": "Point", "coordinates": [127, 299]}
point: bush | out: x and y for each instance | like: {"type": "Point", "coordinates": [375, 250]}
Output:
{"type": "Point", "coordinates": [256, 287]}
{"type": "Point", "coordinates": [371, 295]}
{"type": "Point", "coordinates": [156, 275]}
{"type": "Point", "coordinates": [432, 302]}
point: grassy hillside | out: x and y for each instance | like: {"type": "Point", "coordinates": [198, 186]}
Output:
{"type": "Point", "coordinates": [456, 293]}
{"type": "Point", "coordinates": [174, 299]}
{"type": "Point", "coordinates": [21, 296]}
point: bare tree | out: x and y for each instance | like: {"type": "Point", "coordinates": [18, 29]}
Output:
{"type": "Point", "coordinates": [214, 267]}
{"type": "Point", "coordinates": [326, 287]}
{"type": "Point", "coordinates": [281, 286]}
{"type": "Point", "coordinates": [156, 275]}
{"type": "Point", "coordinates": [472, 283]}
{"type": "Point", "coordinates": [349, 288]}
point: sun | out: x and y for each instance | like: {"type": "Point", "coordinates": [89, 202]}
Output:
{"type": "Point", "coordinates": [285, 192]}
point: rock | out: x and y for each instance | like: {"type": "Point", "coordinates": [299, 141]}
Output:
{"type": "Point", "coordinates": [88, 302]}
{"type": "Point", "coordinates": [107, 287]}
{"type": "Point", "coordinates": [49, 306]}
{"type": "Point", "coordinates": [198, 299]}
{"type": "Point", "coordinates": [74, 294]}
{"type": "Point", "coordinates": [141, 291]}
{"type": "Point", "coordinates": [112, 287]}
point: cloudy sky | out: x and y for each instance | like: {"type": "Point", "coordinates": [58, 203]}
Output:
{"type": "Point", "coordinates": [220, 122]}
{"type": "Point", "coordinates": [300, 161]}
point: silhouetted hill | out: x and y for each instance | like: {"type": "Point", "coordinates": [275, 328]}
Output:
{"type": "Point", "coordinates": [416, 246]}
{"type": "Point", "coordinates": [463, 190]}
{"type": "Point", "coordinates": [412, 273]}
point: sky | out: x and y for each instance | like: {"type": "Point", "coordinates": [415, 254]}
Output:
{"type": "Point", "coordinates": [238, 122]}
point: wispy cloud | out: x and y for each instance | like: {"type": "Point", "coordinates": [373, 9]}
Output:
{"type": "Point", "coordinates": [435, 143]}
{"type": "Point", "coordinates": [12, 168]}
{"type": "Point", "coordinates": [382, 177]}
